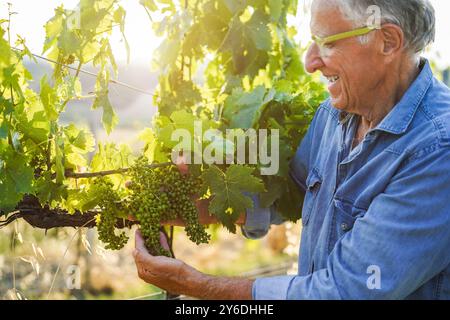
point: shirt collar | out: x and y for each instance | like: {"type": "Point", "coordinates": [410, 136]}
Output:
{"type": "Point", "coordinates": [344, 117]}
{"type": "Point", "coordinates": [400, 117]}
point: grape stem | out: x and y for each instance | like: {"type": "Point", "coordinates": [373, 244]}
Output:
{"type": "Point", "coordinates": [83, 175]}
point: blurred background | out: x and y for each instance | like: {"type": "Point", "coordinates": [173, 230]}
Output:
{"type": "Point", "coordinates": [72, 264]}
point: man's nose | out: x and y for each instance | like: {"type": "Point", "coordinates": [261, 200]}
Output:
{"type": "Point", "coordinates": [313, 59]}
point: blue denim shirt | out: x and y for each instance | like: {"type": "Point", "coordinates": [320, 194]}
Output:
{"type": "Point", "coordinates": [376, 219]}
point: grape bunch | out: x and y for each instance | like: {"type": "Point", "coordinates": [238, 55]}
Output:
{"type": "Point", "coordinates": [109, 202]}
{"type": "Point", "coordinates": [180, 190]}
{"type": "Point", "coordinates": [163, 194]}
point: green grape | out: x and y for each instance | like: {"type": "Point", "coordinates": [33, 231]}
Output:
{"type": "Point", "coordinates": [109, 202]}
{"type": "Point", "coordinates": [164, 194]}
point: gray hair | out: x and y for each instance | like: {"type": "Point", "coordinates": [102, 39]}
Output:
{"type": "Point", "coordinates": [415, 17]}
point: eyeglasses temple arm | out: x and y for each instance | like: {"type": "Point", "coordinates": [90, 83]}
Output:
{"type": "Point", "coordinates": [344, 35]}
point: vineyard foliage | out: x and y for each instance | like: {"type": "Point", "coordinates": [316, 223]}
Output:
{"type": "Point", "coordinates": [227, 64]}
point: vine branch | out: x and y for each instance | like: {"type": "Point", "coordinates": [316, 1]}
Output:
{"type": "Point", "coordinates": [45, 218]}
{"type": "Point", "coordinates": [83, 175]}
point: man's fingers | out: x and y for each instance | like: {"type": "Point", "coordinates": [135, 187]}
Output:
{"type": "Point", "coordinates": [181, 164]}
{"type": "Point", "coordinates": [139, 244]}
{"type": "Point", "coordinates": [142, 255]}
{"type": "Point", "coordinates": [163, 241]}
{"type": "Point", "coordinates": [183, 168]}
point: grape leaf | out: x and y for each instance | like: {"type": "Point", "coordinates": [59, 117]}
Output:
{"type": "Point", "coordinates": [8, 195]}
{"type": "Point", "coordinates": [228, 188]}
{"type": "Point", "coordinates": [149, 4]}
{"type": "Point", "coordinates": [80, 139]}
{"type": "Point", "coordinates": [242, 109]}
{"type": "Point", "coordinates": [111, 157]}
{"type": "Point", "coordinates": [16, 178]}
{"type": "Point", "coordinates": [48, 191]}
{"type": "Point", "coordinates": [69, 42]}
{"type": "Point", "coordinates": [53, 28]}
{"type": "Point", "coordinates": [259, 31]}
{"type": "Point", "coordinates": [275, 187]}
{"type": "Point", "coordinates": [49, 99]}
{"type": "Point", "coordinates": [291, 201]}
{"type": "Point", "coordinates": [109, 118]}
{"type": "Point", "coordinates": [166, 53]}
{"type": "Point", "coordinates": [235, 5]}
{"type": "Point", "coordinates": [3, 129]}
{"type": "Point", "coordinates": [152, 149]}
{"type": "Point", "coordinates": [275, 9]}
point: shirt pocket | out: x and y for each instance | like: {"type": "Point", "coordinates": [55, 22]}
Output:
{"type": "Point", "coordinates": [345, 215]}
{"type": "Point", "coordinates": [313, 184]}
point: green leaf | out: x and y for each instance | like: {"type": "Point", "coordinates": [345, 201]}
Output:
{"type": "Point", "coordinates": [235, 5]}
{"type": "Point", "coordinates": [227, 188]}
{"type": "Point", "coordinates": [69, 42]}
{"type": "Point", "coordinates": [49, 99]}
{"type": "Point", "coordinates": [79, 200]}
{"type": "Point", "coordinates": [291, 202]}
{"type": "Point", "coordinates": [91, 17]}
{"type": "Point", "coordinates": [8, 195]}
{"type": "Point", "coordinates": [275, 9]}
{"type": "Point", "coordinates": [3, 129]}
{"type": "Point", "coordinates": [15, 140]}
{"type": "Point", "coordinates": [119, 15]}
{"type": "Point", "coordinates": [149, 4]}
{"type": "Point", "coordinates": [16, 178]}
{"type": "Point", "coordinates": [259, 31]}
{"type": "Point", "coordinates": [49, 192]}
{"type": "Point", "coordinates": [82, 140]}
{"type": "Point", "coordinates": [109, 118]}
{"type": "Point", "coordinates": [12, 78]}
{"type": "Point", "coordinates": [166, 54]}
{"type": "Point", "coordinates": [163, 130]}
{"type": "Point", "coordinates": [275, 186]}
{"type": "Point", "coordinates": [111, 157]}
{"type": "Point", "coordinates": [184, 120]}
{"type": "Point", "coordinates": [152, 149]}
{"type": "Point", "coordinates": [242, 109]}
{"type": "Point", "coordinates": [53, 29]}
{"type": "Point", "coordinates": [34, 123]}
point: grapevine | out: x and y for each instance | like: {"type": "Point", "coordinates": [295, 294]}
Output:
{"type": "Point", "coordinates": [252, 77]}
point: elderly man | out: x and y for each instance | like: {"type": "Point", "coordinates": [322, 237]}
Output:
{"type": "Point", "coordinates": [374, 166]}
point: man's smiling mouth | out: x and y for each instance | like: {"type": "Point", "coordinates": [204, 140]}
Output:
{"type": "Point", "coordinates": [333, 79]}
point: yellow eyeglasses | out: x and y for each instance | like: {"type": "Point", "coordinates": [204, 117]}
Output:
{"type": "Point", "coordinates": [344, 35]}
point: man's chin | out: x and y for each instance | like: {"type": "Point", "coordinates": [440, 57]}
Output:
{"type": "Point", "coordinates": [337, 103]}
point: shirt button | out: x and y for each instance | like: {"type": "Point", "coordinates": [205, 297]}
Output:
{"type": "Point", "coordinates": [344, 227]}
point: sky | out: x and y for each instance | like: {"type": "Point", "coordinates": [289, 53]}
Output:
{"type": "Point", "coordinates": [32, 15]}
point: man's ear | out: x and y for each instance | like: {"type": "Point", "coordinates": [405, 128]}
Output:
{"type": "Point", "coordinates": [393, 39]}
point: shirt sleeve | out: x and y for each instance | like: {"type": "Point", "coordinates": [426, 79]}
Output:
{"type": "Point", "coordinates": [258, 220]}
{"type": "Point", "coordinates": [402, 239]}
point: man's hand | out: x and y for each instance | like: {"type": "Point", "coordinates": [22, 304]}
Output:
{"type": "Point", "coordinates": [169, 274]}
{"type": "Point", "coordinates": [176, 277]}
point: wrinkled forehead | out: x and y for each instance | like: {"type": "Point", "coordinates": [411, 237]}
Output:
{"type": "Point", "coordinates": [327, 18]}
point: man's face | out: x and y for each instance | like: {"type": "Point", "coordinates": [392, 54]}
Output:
{"type": "Point", "coordinates": [354, 71]}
